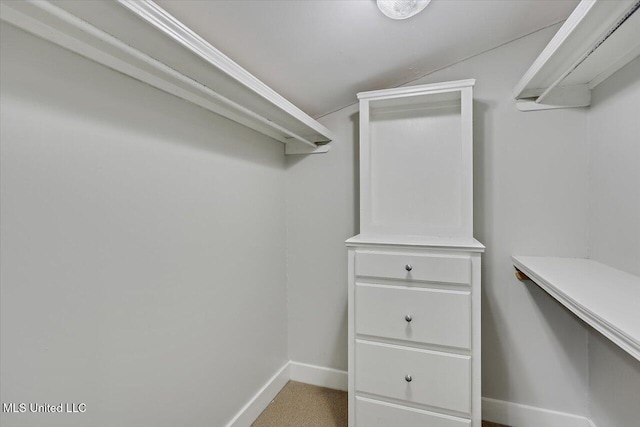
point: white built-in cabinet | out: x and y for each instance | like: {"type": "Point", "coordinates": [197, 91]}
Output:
{"type": "Point", "coordinates": [414, 270]}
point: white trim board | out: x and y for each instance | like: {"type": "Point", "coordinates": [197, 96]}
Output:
{"type": "Point", "coordinates": [497, 411]}
{"type": "Point", "coordinates": [318, 375]}
{"type": "Point", "coordinates": [259, 402]}
{"type": "Point", "coordinates": [518, 415]}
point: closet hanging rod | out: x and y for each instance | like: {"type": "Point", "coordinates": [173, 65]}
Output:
{"type": "Point", "coordinates": [596, 45]}
{"type": "Point", "coordinates": [596, 40]}
{"type": "Point", "coordinates": [84, 35]}
{"type": "Point", "coordinates": [156, 16]}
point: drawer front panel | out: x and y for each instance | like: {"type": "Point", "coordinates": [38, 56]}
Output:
{"type": "Point", "coordinates": [437, 379]}
{"type": "Point", "coordinates": [372, 413]}
{"type": "Point", "coordinates": [436, 316]}
{"type": "Point", "coordinates": [414, 267]}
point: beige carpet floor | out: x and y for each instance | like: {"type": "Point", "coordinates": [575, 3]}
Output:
{"type": "Point", "coordinates": [304, 405]}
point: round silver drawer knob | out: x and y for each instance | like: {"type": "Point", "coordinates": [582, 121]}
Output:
{"type": "Point", "coordinates": [408, 378]}
{"type": "Point", "coordinates": [408, 318]}
{"type": "Point", "coordinates": [408, 267]}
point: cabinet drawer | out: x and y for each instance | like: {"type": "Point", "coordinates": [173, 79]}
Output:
{"type": "Point", "coordinates": [437, 379]}
{"type": "Point", "coordinates": [373, 413]}
{"type": "Point", "coordinates": [436, 316]}
{"type": "Point", "coordinates": [426, 268]}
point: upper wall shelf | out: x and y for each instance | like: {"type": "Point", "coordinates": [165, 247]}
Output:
{"type": "Point", "coordinates": [597, 39]}
{"type": "Point", "coordinates": [605, 298]}
{"type": "Point", "coordinates": [416, 161]}
{"type": "Point", "coordinates": [142, 40]}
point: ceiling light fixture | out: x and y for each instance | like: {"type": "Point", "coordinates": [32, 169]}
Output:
{"type": "Point", "coordinates": [401, 9]}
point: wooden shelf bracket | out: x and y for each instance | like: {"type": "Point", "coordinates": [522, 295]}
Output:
{"type": "Point", "coordinates": [520, 275]}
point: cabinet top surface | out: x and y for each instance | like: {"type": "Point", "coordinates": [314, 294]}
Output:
{"type": "Point", "coordinates": [417, 89]}
{"type": "Point", "coordinates": [416, 241]}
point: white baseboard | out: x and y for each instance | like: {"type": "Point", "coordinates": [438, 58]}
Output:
{"type": "Point", "coordinates": [295, 371]}
{"type": "Point", "coordinates": [318, 375]}
{"type": "Point", "coordinates": [517, 415]}
{"type": "Point", "coordinates": [249, 412]}
{"type": "Point", "coordinates": [497, 411]}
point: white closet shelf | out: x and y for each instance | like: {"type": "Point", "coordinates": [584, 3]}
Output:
{"type": "Point", "coordinates": [143, 41]}
{"type": "Point", "coordinates": [605, 298]}
{"type": "Point", "coordinates": [597, 39]}
{"type": "Point", "coordinates": [470, 244]}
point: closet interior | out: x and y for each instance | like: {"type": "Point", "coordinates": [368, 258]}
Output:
{"type": "Point", "coordinates": [358, 213]}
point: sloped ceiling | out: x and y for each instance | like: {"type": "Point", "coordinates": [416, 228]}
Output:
{"type": "Point", "coordinates": [320, 53]}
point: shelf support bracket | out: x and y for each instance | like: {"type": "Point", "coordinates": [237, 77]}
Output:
{"type": "Point", "coordinates": [293, 147]}
{"type": "Point", "coordinates": [559, 97]}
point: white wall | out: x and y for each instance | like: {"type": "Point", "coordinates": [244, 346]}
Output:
{"type": "Point", "coordinates": [143, 249]}
{"type": "Point", "coordinates": [614, 172]}
{"type": "Point", "coordinates": [530, 198]}
{"type": "Point", "coordinates": [322, 212]}
{"type": "Point", "coordinates": [614, 233]}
